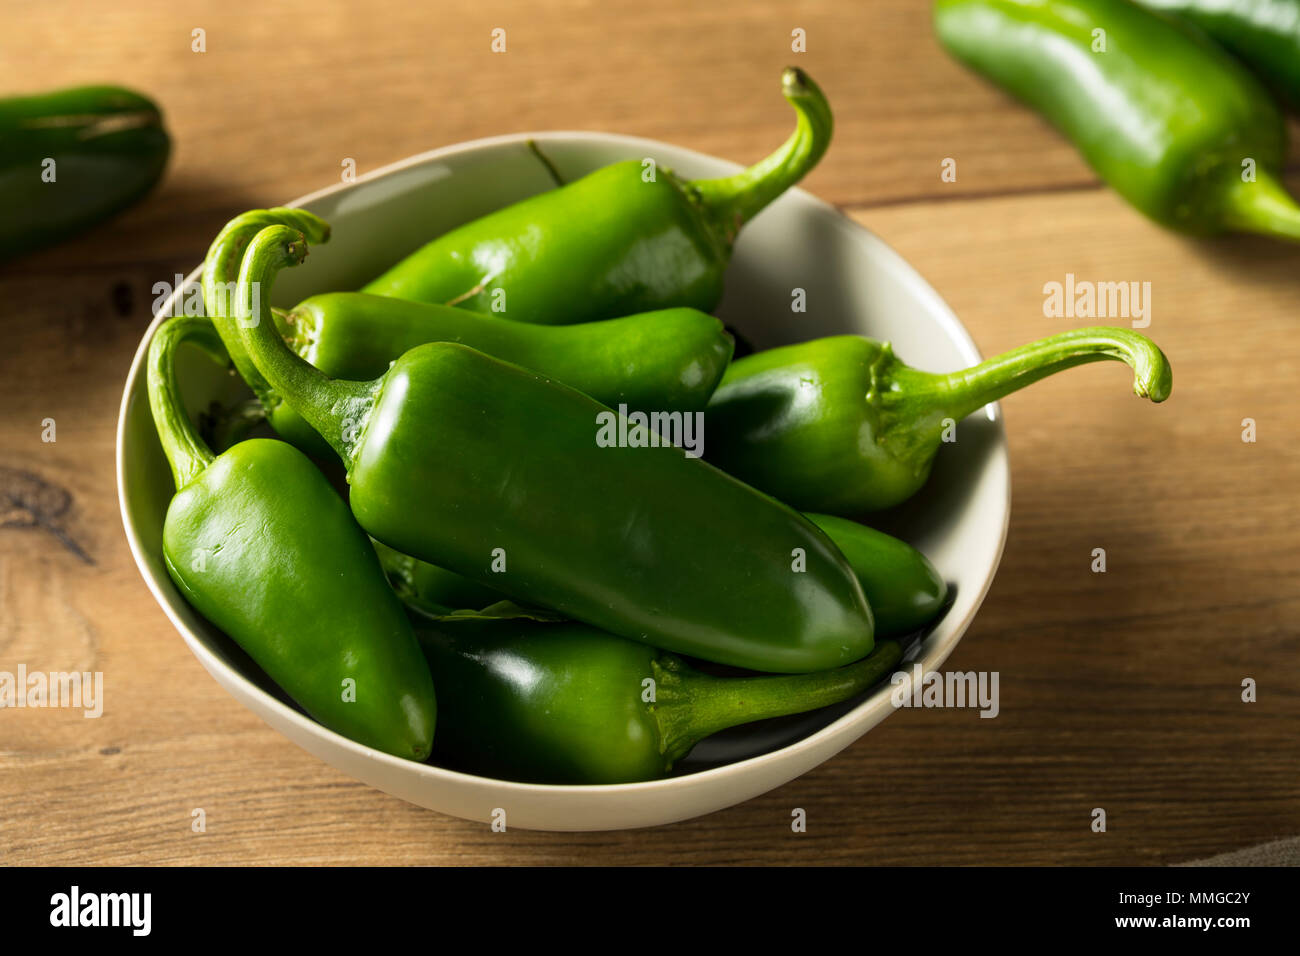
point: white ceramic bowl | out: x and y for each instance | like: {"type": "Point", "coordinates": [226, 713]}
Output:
{"type": "Point", "coordinates": [853, 283]}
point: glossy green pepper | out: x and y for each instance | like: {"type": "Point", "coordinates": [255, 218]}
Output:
{"type": "Point", "coordinates": [259, 543]}
{"type": "Point", "coordinates": [1182, 130]}
{"type": "Point", "coordinates": [565, 703]}
{"type": "Point", "coordinates": [1263, 34]}
{"type": "Point", "coordinates": [841, 425]}
{"type": "Point", "coordinates": [430, 589]}
{"type": "Point", "coordinates": [72, 158]}
{"type": "Point", "coordinates": [465, 461]}
{"type": "Point", "coordinates": [670, 360]}
{"type": "Point", "coordinates": [903, 588]}
{"type": "Point", "coordinates": [624, 239]}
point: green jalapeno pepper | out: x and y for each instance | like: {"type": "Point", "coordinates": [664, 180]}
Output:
{"type": "Point", "coordinates": [670, 360]}
{"type": "Point", "coordinates": [1175, 124]}
{"type": "Point", "coordinates": [465, 461]}
{"type": "Point", "coordinates": [903, 588]}
{"type": "Point", "coordinates": [566, 703]}
{"type": "Point", "coordinates": [72, 158]}
{"type": "Point", "coordinates": [260, 544]}
{"type": "Point", "coordinates": [1263, 34]}
{"type": "Point", "coordinates": [627, 238]}
{"type": "Point", "coordinates": [841, 425]}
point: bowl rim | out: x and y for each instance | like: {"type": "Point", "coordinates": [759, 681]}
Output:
{"type": "Point", "coordinates": [871, 711]}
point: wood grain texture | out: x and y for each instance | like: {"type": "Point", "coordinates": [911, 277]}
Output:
{"type": "Point", "coordinates": [1118, 690]}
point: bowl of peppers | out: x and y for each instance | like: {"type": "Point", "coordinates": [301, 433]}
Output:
{"type": "Point", "coordinates": [575, 481]}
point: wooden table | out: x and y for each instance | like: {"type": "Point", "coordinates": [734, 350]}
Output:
{"type": "Point", "coordinates": [1119, 690]}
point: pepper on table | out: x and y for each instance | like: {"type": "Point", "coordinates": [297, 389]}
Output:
{"type": "Point", "coordinates": [1263, 34]}
{"type": "Point", "coordinates": [630, 237]}
{"type": "Point", "coordinates": [460, 459]}
{"type": "Point", "coordinates": [843, 426]}
{"type": "Point", "coordinates": [1169, 119]}
{"type": "Point", "coordinates": [71, 158]}
{"type": "Point", "coordinates": [259, 543]}
{"type": "Point", "coordinates": [565, 703]}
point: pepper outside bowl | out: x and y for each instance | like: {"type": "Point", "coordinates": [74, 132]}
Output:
{"type": "Point", "coordinates": [852, 282]}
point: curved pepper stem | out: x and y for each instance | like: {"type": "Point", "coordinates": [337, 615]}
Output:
{"type": "Point", "coordinates": [221, 275]}
{"type": "Point", "coordinates": [734, 200]}
{"type": "Point", "coordinates": [691, 705]}
{"type": "Point", "coordinates": [971, 389]}
{"type": "Point", "coordinates": [335, 408]}
{"type": "Point", "coordinates": [1263, 206]}
{"type": "Point", "coordinates": [187, 453]}
{"type": "Point", "coordinates": [913, 404]}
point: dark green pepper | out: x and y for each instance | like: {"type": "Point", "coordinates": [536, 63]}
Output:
{"type": "Point", "coordinates": [260, 544]}
{"type": "Point", "coordinates": [1182, 130]}
{"type": "Point", "coordinates": [841, 425]}
{"type": "Point", "coordinates": [465, 461]}
{"type": "Point", "coordinates": [903, 588]}
{"type": "Point", "coordinates": [565, 703]}
{"type": "Point", "coordinates": [669, 360]}
{"type": "Point", "coordinates": [627, 238]}
{"type": "Point", "coordinates": [72, 158]}
{"type": "Point", "coordinates": [1263, 34]}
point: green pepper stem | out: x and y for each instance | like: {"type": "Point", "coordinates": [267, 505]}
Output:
{"type": "Point", "coordinates": [691, 705]}
{"type": "Point", "coordinates": [958, 394]}
{"type": "Point", "coordinates": [734, 200]}
{"type": "Point", "coordinates": [1263, 206]}
{"type": "Point", "coordinates": [221, 274]}
{"type": "Point", "coordinates": [335, 408]}
{"type": "Point", "coordinates": [186, 452]}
